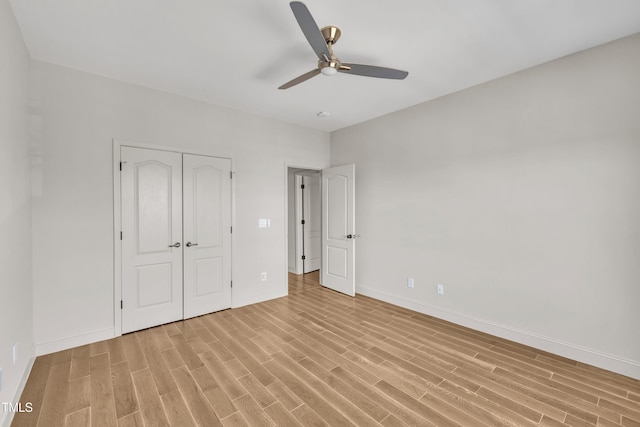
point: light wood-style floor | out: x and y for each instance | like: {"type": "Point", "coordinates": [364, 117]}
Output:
{"type": "Point", "coordinates": [319, 358]}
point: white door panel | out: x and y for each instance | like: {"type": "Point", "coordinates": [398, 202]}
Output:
{"type": "Point", "coordinates": [338, 229]}
{"type": "Point", "coordinates": [151, 221]}
{"type": "Point", "coordinates": [207, 234]}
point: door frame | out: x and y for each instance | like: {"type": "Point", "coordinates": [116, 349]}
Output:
{"type": "Point", "coordinates": [287, 166]}
{"type": "Point", "coordinates": [117, 220]}
{"type": "Point", "coordinates": [299, 214]}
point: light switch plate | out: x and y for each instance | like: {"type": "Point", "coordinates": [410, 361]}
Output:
{"type": "Point", "coordinates": [264, 223]}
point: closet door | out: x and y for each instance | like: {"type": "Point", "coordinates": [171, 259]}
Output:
{"type": "Point", "coordinates": [151, 196]}
{"type": "Point", "coordinates": [207, 234]}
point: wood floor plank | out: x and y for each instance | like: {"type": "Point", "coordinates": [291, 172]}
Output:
{"type": "Point", "coordinates": [335, 399]}
{"type": "Point", "coordinates": [377, 397]}
{"type": "Point", "coordinates": [220, 350]}
{"type": "Point", "coordinates": [79, 362]}
{"type": "Point", "coordinates": [198, 404]}
{"type": "Point", "coordinates": [198, 345]}
{"type": "Point", "coordinates": [281, 416]}
{"type": "Point", "coordinates": [161, 338]}
{"type": "Point", "coordinates": [236, 368]}
{"type": "Point", "coordinates": [306, 393]}
{"type": "Point", "coordinates": [218, 399]}
{"type": "Point", "coordinates": [187, 353]}
{"type": "Point", "coordinates": [176, 409]}
{"type": "Point", "coordinates": [172, 358]}
{"type": "Point", "coordinates": [494, 413]}
{"type": "Point", "coordinates": [151, 408]}
{"type": "Point", "coordinates": [158, 368]}
{"type": "Point", "coordinates": [223, 376]}
{"type": "Point", "coordinates": [98, 348]}
{"type": "Point", "coordinates": [55, 396]}
{"type": "Point", "coordinates": [79, 396]}
{"type": "Point", "coordinates": [286, 397]}
{"type": "Point", "coordinates": [242, 354]}
{"type": "Point", "coordinates": [133, 352]}
{"type": "Point", "coordinates": [430, 416]}
{"type": "Point", "coordinates": [235, 420]}
{"type": "Point", "coordinates": [308, 417]}
{"type": "Point", "coordinates": [259, 392]}
{"type": "Point", "coordinates": [63, 356]}
{"type": "Point", "coordinates": [81, 418]}
{"type": "Point", "coordinates": [350, 393]}
{"type": "Point", "coordinates": [252, 412]}
{"type": "Point", "coordinates": [116, 351]}
{"type": "Point", "coordinates": [123, 390]}
{"type": "Point", "coordinates": [133, 420]}
{"type": "Point", "coordinates": [34, 391]}
{"type": "Point", "coordinates": [103, 410]}
{"type": "Point", "coordinates": [318, 357]}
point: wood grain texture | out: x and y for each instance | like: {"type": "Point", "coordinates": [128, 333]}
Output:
{"type": "Point", "coordinates": [320, 358]}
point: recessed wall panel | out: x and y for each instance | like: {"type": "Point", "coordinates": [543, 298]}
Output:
{"type": "Point", "coordinates": [209, 276]}
{"type": "Point", "coordinates": [154, 284]}
{"type": "Point", "coordinates": [337, 262]}
{"type": "Point", "coordinates": [153, 210]}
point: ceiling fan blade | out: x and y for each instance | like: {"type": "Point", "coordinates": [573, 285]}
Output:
{"type": "Point", "coordinates": [310, 29]}
{"type": "Point", "coordinates": [373, 71]}
{"type": "Point", "coordinates": [300, 79]}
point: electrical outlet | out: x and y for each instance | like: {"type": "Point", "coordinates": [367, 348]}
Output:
{"type": "Point", "coordinates": [263, 276]}
{"type": "Point", "coordinates": [410, 282]}
{"type": "Point", "coordinates": [440, 289]}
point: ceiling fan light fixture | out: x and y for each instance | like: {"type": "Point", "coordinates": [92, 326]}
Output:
{"type": "Point", "coordinates": [328, 71]}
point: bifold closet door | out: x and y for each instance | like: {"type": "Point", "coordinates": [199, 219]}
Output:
{"type": "Point", "coordinates": [207, 234]}
{"type": "Point", "coordinates": [151, 194]}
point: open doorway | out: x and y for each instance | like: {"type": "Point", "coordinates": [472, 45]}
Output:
{"type": "Point", "coordinates": [304, 221]}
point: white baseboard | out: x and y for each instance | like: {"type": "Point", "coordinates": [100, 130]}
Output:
{"type": "Point", "coordinates": [74, 341]}
{"type": "Point", "coordinates": [254, 299]}
{"type": "Point", "coordinates": [602, 360]}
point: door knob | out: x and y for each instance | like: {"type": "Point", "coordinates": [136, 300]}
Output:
{"type": "Point", "coordinates": [175, 245]}
{"type": "Point", "coordinates": [189, 244]}
{"type": "Point", "coordinates": [352, 236]}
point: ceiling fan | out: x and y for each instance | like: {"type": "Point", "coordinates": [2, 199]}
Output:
{"type": "Point", "coordinates": [322, 41]}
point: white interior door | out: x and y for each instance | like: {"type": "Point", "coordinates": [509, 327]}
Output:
{"type": "Point", "coordinates": [207, 234]}
{"type": "Point", "coordinates": [312, 214]}
{"type": "Point", "coordinates": [151, 193]}
{"type": "Point", "coordinates": [338, 229]}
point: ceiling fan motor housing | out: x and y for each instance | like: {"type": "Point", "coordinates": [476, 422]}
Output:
{"type": "Point", "coordinates": [331, 34]}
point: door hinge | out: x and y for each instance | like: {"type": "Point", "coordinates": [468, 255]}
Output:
{"type": "Point", "coordinates": [231, 230]}
{"type": "Point", "coordinates": [304, 257]}
{"type": "Point", "coordinates": [120, 165]}
{"type": "Point", "coordinates": [121, 305]}
{"type": "Point", "coordinates": [302, 186]}
{"type": "Point", "coordinates": [302, 222]}
{"type": "Point", "coordinates": [232, 283]}
{"type": "Point", "coordinates": [121, 235]}
{"type": "Point", "coordinates": [230, 175]}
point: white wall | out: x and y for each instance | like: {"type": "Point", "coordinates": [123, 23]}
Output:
{"type": "Point", "coordinates": [16, 310]}
{"type": "Point", "coordinates": [79, 115]}
{"type": "Point", "coordinates": [521, 196]}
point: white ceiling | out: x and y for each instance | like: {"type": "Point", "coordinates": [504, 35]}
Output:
{"type": "Point", "coordinates": [236, 53]}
